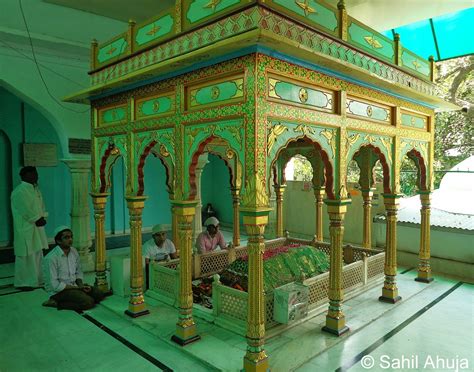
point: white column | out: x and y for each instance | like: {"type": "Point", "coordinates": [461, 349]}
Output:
{"type": "Point", "coordinates": [202, 161]}
{"type": "Point", "coordinates": [80, 212]}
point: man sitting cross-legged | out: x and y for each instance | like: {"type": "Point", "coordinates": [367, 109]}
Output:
{"type": "Point", "coordinates": [63, 276]}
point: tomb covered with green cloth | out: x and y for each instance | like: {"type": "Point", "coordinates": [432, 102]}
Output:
{"type": "Point", "coordinates": [282, 265]}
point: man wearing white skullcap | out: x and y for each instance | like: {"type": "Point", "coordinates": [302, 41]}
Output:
{"type": "Point", "coordinates": [63, 276]}
{"type": "Point", "coordinates": [211, 239]}
{"type": "Point", "coordinates": [158, 248]}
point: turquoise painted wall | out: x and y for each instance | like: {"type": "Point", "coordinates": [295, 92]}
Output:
{"type": "Point", "coordinates": [6, 232]}
{"type": "Point", "coordinates": [55, 182]}
{"type": "Point", "coordinates": [215, 188]}
{"type": "Point", "coordinates": [21, 123]}
{"type": "Point", "coordinates": [157, 205]}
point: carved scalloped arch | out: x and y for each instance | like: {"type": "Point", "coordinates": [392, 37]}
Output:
{"type": "Point", "coordinates": [387, 170]}
{"type": "Point", "coordinates": [155, 148]}
{"type": "Point", "coordinates": [328, 165]}
{"type": "Point", "coordinates": [417, 151]}
{"type": "Point", "coordinates": [109, 153]}
{"type": "Point", "coordinates": [223, 149]}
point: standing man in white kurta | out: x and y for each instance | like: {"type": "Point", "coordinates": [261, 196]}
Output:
{"type": "Point", "coordinates": [29, 236]}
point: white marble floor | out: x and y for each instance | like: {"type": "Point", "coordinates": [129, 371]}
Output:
{"type": "Point", "coordinates": [431, 329]}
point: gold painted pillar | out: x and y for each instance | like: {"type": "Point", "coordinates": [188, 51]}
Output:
{"type": "Point", "coordinates": [279, 190]}
{"type": "Point", "coordinates": [99, 201]}
{"type": "Point", "coordinates": [390, 290]}
{"type": "Point", "coordinates": [255, 220]}
{"type": "Point", "coordinates": [174, 229]}
{"type": "Point", "coordinates": [236, 205]}
{"type": "Point", "coordinates": [367, 227]}
{"type": "Point", "coordinates": [335, 319]}
{"type": "Point", "coordinates": [319, 195]}
{"type": "Point", "coordinates": [186, 331]}
{"type": "Point", "coordinates": [424, 268]}
{"type": "Point", "coordinates": [136, 304]}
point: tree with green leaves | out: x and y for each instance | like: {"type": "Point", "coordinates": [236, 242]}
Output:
{"type": "Point", "coordinates": [454, 131]}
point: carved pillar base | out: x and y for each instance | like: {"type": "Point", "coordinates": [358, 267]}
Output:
{"type": "Point", "coordinates": [255, 220]}
{"type": "Point", "coordinates": [335, 319]}
{"type": "Point", "coordinates": [99, 200]}
{"type": "Point", "coordinates": [136, 304]}
{"type": "Point", "coordinates": [185, 334]}
{"type": "Point", "coordinates": [186, 331]}
{"type": "Point", "coordinates": [256, 362]}
{"type": "Point", "coordinates": [424, 268]}
{"type": "Point", "coordinates": [390, 289]}
{"type": "Point", "coordinates": [424, 271]}
{"type": "Point", "coordinates": [101, 281]}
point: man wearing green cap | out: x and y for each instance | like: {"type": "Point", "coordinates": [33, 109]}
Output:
{"type": "Point", "coordinates": [63, 276]}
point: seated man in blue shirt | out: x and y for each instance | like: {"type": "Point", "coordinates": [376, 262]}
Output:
{"type": "Point", "coordinates": [63, 276]}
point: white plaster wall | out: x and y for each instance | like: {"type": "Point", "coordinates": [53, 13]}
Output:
{"type": "Point", "coordinates": [452, 251]}
{"type": "Point", "coordinates": [299, 213]}
{"type": "Point", "coordinates": [451, 245]}
{"type": "Point", "coordinates": [61, 39]}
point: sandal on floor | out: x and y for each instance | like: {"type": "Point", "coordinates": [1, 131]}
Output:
{"type": "Point", "coordinates": [50, 303]}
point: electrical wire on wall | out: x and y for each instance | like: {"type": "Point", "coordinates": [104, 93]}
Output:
{"type": "Point", "coordinates": [18, 51]}
{"type": "Point", "coordinates": [39, 69]}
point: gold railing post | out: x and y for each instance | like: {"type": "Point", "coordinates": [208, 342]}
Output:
{"type": "Point", "coordinates": [186, 331]}
{"type": "Point", "coordinates": [255, 220]}
{"type": "Point", "coordinates": [341, 6]}
{"type": "Point", "coordinates": [335, 319]}
{"type": "Point", "coordinates": [390, 289]}
{"type": "Point", "coordinates": [279, 191]}
{"type": "Point", "coordinates": [178, 16]}
{"type": "Point", "coordinates": [319, 195]}
{"type": "Point", "coordinates": [398, 50]}
{"type": "Point", "coordinates": [231, 254]}
{"type": "Point", "coordinates": [136, 304]}
{"type": "Point", "coordinates": [236, 206]}
{"type": "Point", "coordinates": [196, 262]}
{"type": "Point", "coordinates": [99, 201]}
{"type": "Point", "coordinates": [367, 227]}
{"type": "Point", "coordinates": [424, 268]}
{"type": "Point", "coordinates": [131, 35]}
{"type": "Point", "coordinates": [94, 47]}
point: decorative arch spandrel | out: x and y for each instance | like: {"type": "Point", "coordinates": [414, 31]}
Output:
{"type": "Point", "coordinates": [159, 143]}
{"type": "Point", "coordinates": [418, 152]}
{"type": "Point", "coordinates": [222, 149]}
{"type": "Point", "coordinates": [382, 147]}
{"type": "Point", "coordinates": [109, 151]}
{"type": "Point", "coordinates": [323, 140]}
{"type": "Point", "coordinates": [366, 149]}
